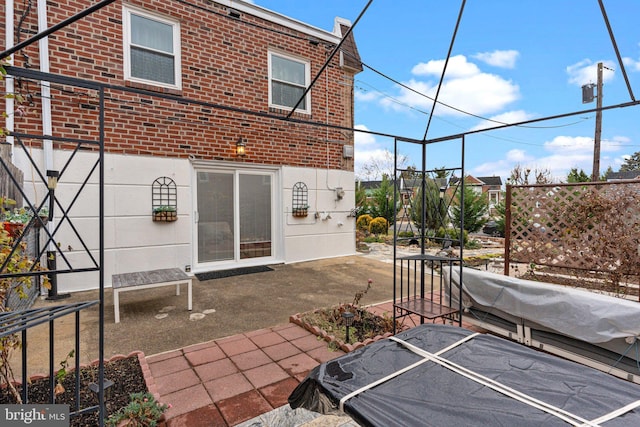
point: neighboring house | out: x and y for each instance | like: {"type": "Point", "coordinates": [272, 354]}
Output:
{"type": "Point", "coordinates": [491, 186]}
{"type": "Point", "coordinates": [369, 187]}
{"type": "Point", "coordinates": [623, 175]}
{"type": "Point", "coordinates": [237, 169]}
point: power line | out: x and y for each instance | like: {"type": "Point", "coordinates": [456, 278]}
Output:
{"type": "Point", "coordinates": [380, 73]}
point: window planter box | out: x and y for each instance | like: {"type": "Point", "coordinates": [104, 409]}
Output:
{"type": "Point", "coordinates": [300, 212]}
{"type": "Point", "coordinates": [165, 216]}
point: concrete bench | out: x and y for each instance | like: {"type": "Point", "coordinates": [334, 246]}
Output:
{"type": "Point", "coordinates": [149, 279]}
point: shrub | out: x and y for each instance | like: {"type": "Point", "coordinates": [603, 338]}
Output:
{"type": "Point", "coordinates": [142, 410]}
{"type": "Point", "coordinates": [453, 234]}
{"type": "Point", "coordinates": [405, 234]}
{"type": "Point", "coordinates": [363, 221]}
{"type": "Point", "coordinates": [473, 244]}
{"type": "Point", "coordinates": [379, 226]}
{"type": "Point", "coordinates": [15, 259]}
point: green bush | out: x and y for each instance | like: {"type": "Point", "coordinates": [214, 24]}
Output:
{"type": "Point", "coordinates": [363, 221]}
{"type": "Point", "coordinates": [453, 234]}
{"type": "Point", "coordinates": [405, 234]}
{"type": "Point", "coordinates": [142, 410]}
{"type": "Point", "coordinates": [473, 244]}
{"type": "Point", "coordinates": [379, 225]}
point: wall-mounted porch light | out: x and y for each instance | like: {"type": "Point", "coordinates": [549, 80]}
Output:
{"type": "Point", "coordinates": [52, 183]}
{"type": "Point", "coordinates": [443, 190]}
{"type": "Point", "coordinates": [240, 148]}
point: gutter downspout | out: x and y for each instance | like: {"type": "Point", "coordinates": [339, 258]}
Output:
{"type": "Point", "coordinates": [43, 48]}
{"type": "Point", "coordinates": [47, 144]}
{"type": "Point", "coordinates": [9, 82]}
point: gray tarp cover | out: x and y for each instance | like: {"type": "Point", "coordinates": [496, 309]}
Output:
{"type": "Point", "coordinates": [432, 395]}
{"type": "Point", "coordinates": [577, 313]}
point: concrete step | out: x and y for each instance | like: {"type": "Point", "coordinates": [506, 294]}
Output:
{"type": "Point", "coordinates": [284, 416]}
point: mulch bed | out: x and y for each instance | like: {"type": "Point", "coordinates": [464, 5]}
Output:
{"type": "Point", "coordinates": [125, 373]}
{"type": "Point", "coordinates": [328, 324]}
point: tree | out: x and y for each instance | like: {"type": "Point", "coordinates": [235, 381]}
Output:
{"type": "Point", "coordinates": [632, 163]}
{"type": "Point", "coordinates": [382, 165]}
{"type": "Point", "coordinates": [382, 201]}
{"type": "Point", "coordinates": [606, 174]}
{"type": "Point", "coordinates": [577, 176]}
{"type": "Point", "coordinates": [436, 207]}
{"type": "Point", "coordinates": [362, 206]}
{"type": "Point", "coordinates": [475, 209]}
{"type": "Point", "coordinates": [522, 176]}
{"type": "Point", "coordinates": [442, 172]}
{"type": "Point", "coordinates": [410, 173]}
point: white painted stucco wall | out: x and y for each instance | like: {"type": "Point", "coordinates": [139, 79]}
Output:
{"type": "Point", "coordinates": [312, 238]}
{"type": "Point", "coordinates": [133, 242]}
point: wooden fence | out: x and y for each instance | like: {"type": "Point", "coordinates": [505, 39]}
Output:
{"type": "Point", "coordinates": [584, 234]}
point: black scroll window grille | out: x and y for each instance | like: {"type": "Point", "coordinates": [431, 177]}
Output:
{"type": "Point", "coordinates": [300, 199]}
{"type": "Point", "coordinates": [164, 193]}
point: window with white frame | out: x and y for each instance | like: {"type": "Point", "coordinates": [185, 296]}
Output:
{"type": "Point", "coordinates": [288, 79]}
{"type": "Point", "coordinates": [151, 49]}
{"type": "Point", "coordinates": [494, 197]}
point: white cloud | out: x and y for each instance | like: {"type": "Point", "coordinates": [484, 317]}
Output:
{"type": "Point", "coordinates": [582, 144]}
{"type": "Point", "coordinates": [361, 139]}
{"type": "Point", "coordinates": [367, 150]}
{"type": "Point", "coordinates": [517, 155]}
{"type": "Point", "coordinates": [566, 144]}
{"type": "Point", "coordinates": [465, 87]}
{"type": "Point", "coordinates": [369, 157]}
{"type": "Point", "coordinates": [499, 58]}
{"type": "Point", "coordinates": [586, 71]}
{"type": "Point", "coordinates": [478, 94]}
{"type": "Point", "coordinates": [362, 96]}
{"type": "Point", "coordinates": [563, 154]}
{"type": "Point", "coordinates": [516, 116]}
{"type": "Point", "coordinates": [631, 64]}
{"type": "Point", "coordinates": [457, 67]}
{"type": "Point", "coordinates": [503, 167]}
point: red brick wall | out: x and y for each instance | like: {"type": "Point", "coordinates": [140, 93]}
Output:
{"type": "Point", "coordinates": [224, 62]}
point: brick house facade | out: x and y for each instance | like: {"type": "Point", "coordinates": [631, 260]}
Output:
{"type": "Point", "coordinates": [205, 76]}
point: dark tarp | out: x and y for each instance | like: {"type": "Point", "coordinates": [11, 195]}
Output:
{"type": "Point", "coordinates": [433, 395]}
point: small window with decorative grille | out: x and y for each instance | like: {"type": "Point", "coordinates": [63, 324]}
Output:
{"type": "Point", "coordinates": [300, 200]}
{"type": "Point", "coordinates": [164, 197]}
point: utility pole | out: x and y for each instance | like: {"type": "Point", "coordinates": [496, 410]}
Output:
{"type": "Point", "coordinates": [595, 176]}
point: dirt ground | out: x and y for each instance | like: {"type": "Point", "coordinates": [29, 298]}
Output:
{"type": "Point", "coordinates": [156, 320]}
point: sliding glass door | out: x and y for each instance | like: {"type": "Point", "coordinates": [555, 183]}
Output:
{"type": "Point", "coordinates": [234, 216]}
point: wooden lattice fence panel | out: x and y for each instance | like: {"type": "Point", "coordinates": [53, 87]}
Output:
{"type": "Point", "coordinates": [590, 230]}
{"type": "Point", "coordinates": [8, 188]}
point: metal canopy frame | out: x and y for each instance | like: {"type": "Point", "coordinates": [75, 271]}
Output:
{"type": "Point", "coordinates": [21, 321]}
{"type": "Point", "coordinates": [98, 264]}
{"type": "Point", "coordinates": [412, 294]}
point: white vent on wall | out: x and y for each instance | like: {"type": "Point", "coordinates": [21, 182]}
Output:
{"type": "Point", "coordinates": [347, 151]}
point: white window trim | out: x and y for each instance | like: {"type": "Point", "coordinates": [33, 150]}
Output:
{"type": "Point", "coordinates": [307, 79]}
{"type": "Point", "coordinates": [126, 41]}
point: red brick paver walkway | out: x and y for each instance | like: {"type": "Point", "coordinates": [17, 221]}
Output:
{"type": "Point", "coordinates": [231, 380]}
{"type": "Point", "coordinates": [228, 381]}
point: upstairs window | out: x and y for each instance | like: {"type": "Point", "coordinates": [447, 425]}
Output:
{"type": "Point", "coordinates": [288, 79]}
{"type": "Point", "coordinates": [151, 49]}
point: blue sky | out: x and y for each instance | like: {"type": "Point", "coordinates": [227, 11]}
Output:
{"type": "Point", "coordinates": [511, 61]}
